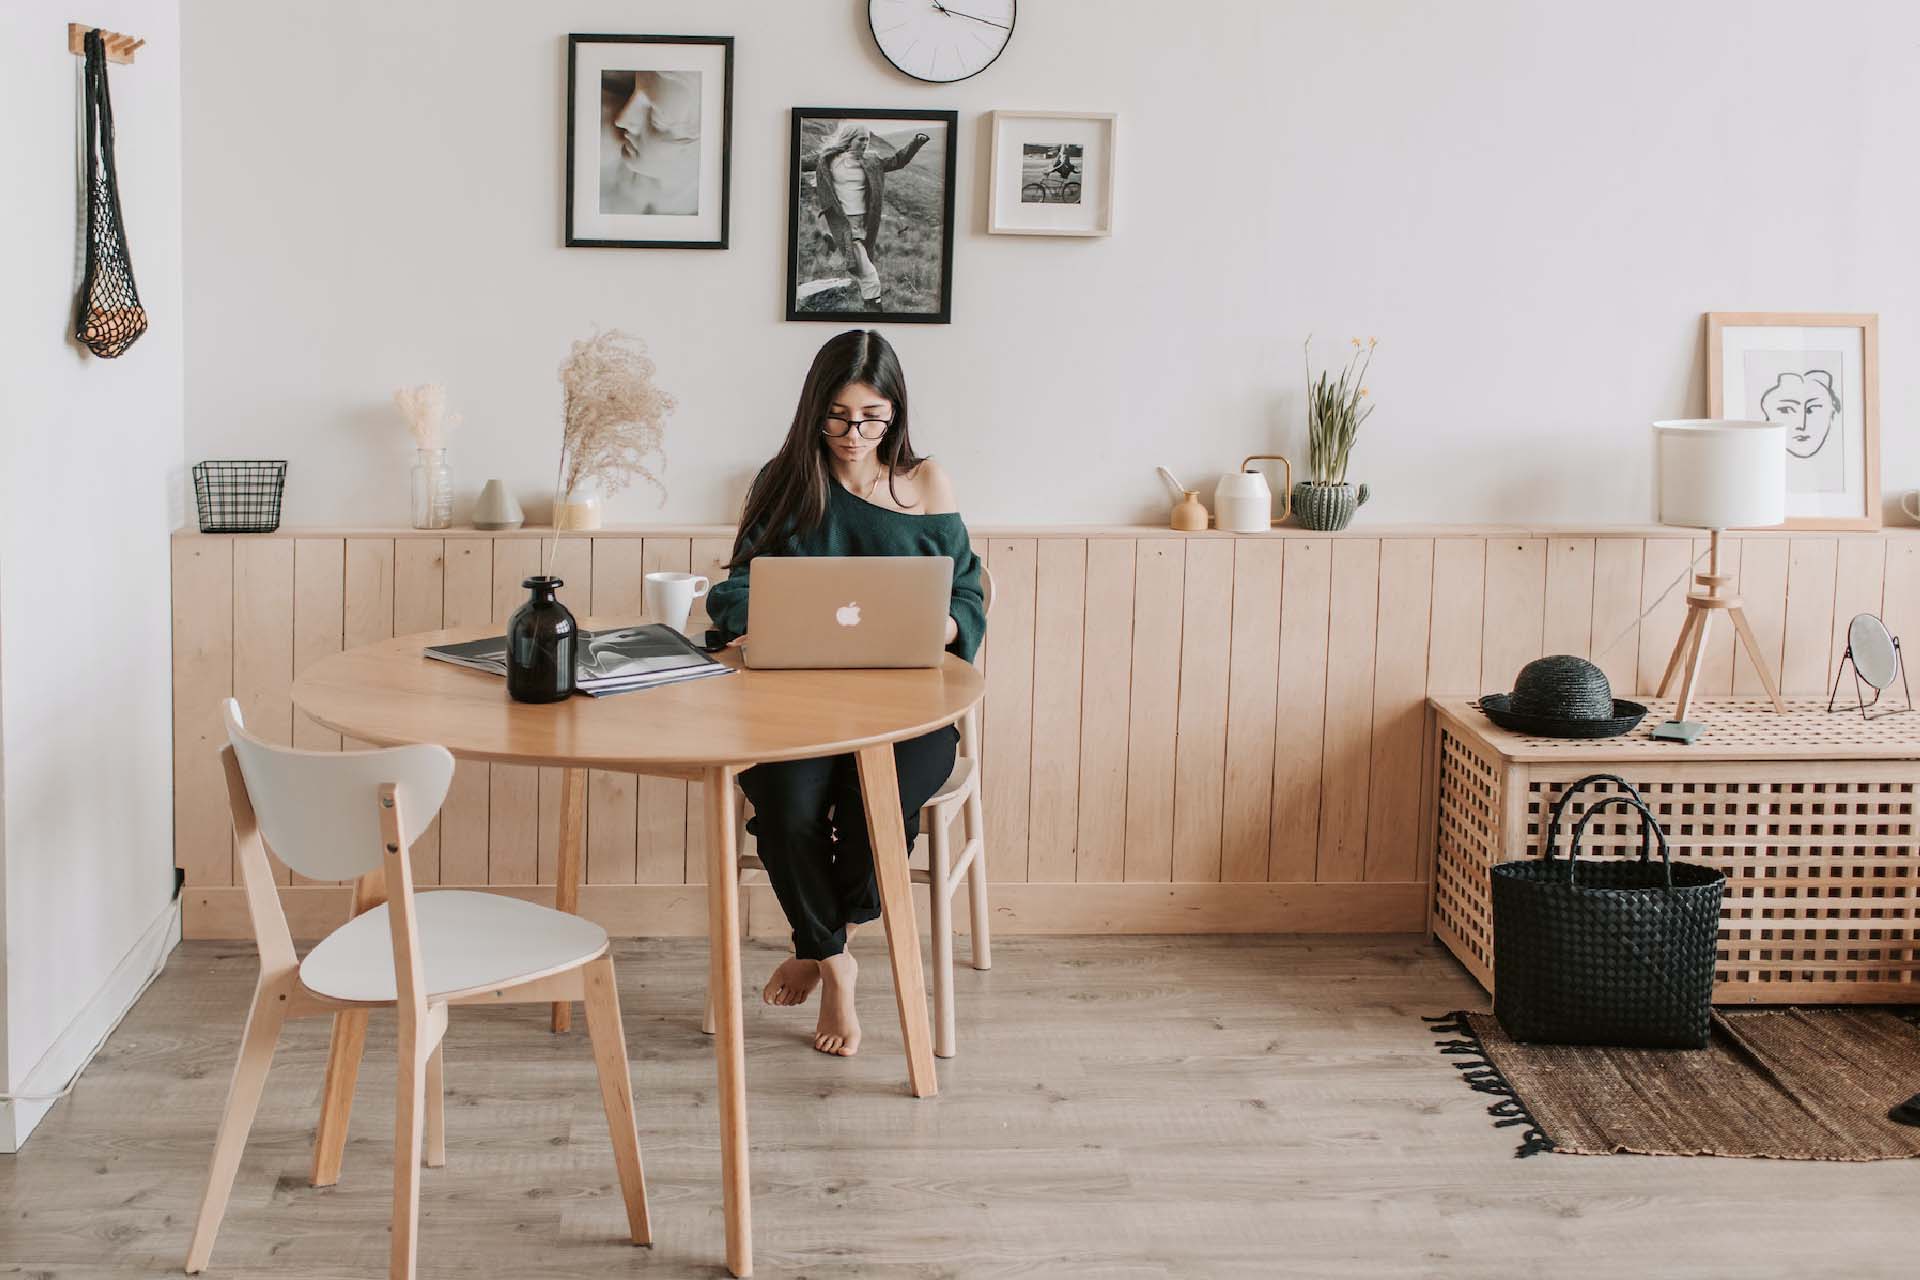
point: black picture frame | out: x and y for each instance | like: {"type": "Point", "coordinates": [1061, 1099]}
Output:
{"type": "Point", "coordinates": [574, 241]}
{"type": "Point", "coordinates": [798, 117]}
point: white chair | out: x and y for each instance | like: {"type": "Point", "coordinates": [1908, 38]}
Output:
{"type": "Point", "coordinates": [336, 816]}
{"type": "Point", "coordinates": [958, 796]}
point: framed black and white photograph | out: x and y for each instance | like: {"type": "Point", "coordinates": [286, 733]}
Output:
{"type": "Point", "coordinates": [649, 140]}
{"type": "Point", "coordinates": [1819, 375]}
{"type": "Point", "coordinates": [1052, 174]}
{"type": "Point", "coordinates": [870, 215]}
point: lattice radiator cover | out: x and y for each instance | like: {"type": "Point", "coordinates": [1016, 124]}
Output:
{"type": "Point", "coordinates": [1822, 864]}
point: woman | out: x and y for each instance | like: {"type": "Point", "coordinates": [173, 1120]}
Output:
{"type": "Point", "coordinates": [849, 180]}
{"type": "Point", "coordinates": [845, 483]}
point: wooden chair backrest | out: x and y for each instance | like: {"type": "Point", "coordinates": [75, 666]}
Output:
{"type": "Point", "coordinates": [320, 811]}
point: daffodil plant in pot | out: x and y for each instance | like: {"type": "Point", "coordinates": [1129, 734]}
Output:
{"type": "Point", "coordinates": [1335, 409]}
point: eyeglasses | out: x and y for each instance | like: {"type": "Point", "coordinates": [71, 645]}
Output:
{"type": "Point", "coordinates": [869, 428]}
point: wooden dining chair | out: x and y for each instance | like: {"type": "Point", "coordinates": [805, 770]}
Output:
{"type": "Point", "coordinates": [946, 869]}
{"type": "Point", "coordinates": [336, 816]}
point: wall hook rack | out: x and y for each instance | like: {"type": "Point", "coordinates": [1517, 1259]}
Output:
{"type": "Point", "coordinates": [120, 48]}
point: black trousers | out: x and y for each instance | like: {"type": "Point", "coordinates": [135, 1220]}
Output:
{"type": "Point", "coordinates": [810, 826]}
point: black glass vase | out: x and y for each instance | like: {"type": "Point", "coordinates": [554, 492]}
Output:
{"type": "Point", "coordinates": [541, 637]}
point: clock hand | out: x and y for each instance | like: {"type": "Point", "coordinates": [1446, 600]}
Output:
{"type": "Point", "coordinates": [955, 13]}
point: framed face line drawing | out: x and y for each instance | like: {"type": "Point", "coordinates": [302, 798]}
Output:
{"type": "Point", "coordinates": [1819, 375]}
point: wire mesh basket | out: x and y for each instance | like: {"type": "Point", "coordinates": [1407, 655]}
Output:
{"type": "Point", "coordinates": [239, 497]}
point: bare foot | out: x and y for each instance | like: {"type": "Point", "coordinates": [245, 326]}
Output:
{"type": "Point", "coordinates": [792, 982]}
{"type": "Point", "coordinates": [838, 1031]}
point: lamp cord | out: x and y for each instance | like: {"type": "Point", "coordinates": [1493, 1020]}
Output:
{"type": "Point", "coordinates": [1633, 626]}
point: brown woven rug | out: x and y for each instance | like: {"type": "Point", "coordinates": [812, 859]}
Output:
{"type": "Point", "coordinates": [1786, 1084]}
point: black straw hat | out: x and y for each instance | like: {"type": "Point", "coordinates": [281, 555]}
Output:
{"type": "Point", "coordinates": [1562, 697]}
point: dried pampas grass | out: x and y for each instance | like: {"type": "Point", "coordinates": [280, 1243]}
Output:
{"type": "Point", "coordinates": [425, 409]}
{"type": "Point", "coordinates": [615, 418]}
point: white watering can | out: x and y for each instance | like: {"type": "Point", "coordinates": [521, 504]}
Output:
{"type": "Point", "coordinates": [1242, 502]}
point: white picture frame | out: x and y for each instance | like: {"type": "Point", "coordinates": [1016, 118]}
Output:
{"type": "Point", "coordinates": [1818, 373]}
{"type": "Point", "coordinates": [1052, 173]}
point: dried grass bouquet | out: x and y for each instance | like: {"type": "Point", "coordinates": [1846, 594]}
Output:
{"type": "Point", "coordinates": [425, 409]}
{"type": "Point", "coordinates": [615, 418]}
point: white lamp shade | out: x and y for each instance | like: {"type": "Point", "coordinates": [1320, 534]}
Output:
{"type": "Point", "coordinates": [1722, 474]}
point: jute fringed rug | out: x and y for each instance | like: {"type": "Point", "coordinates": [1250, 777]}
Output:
{"type": "Point", "coordinates": [1788, 1084]}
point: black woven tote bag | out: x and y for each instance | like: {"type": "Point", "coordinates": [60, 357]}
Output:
{"type": "Point", "coordinates": [110, 318]}
{"type": "Point", "coordinates": [1606, 951]}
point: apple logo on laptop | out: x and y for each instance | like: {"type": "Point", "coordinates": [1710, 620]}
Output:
{"type": "Point", "coordinates": [848, 614]}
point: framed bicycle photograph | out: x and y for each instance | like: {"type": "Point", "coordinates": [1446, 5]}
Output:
{"type": "Point", "coordinates": [1819, 374]}
{"type": "Point", "coordinates": [870, 215]}
{"type": "Point", "coordinates": [1052, 173]}
{"type": "Point", "coordinates": [649, 141]}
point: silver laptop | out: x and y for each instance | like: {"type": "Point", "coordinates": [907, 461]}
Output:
{"type": "Point", "coordinates": [848, 611]}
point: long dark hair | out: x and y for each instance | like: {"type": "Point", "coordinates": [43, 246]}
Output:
{"type": "Point", "coordinates": [789, 496]}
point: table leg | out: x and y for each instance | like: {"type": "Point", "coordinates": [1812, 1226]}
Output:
{"type": "Point", "coordinates": [729, 1049]}
{"type": "Point", "coordinates": [566, 886]}
{"type": "Point", "coordinates": [880, 788]}
{"type": "Point", "coordinates": [344, 1051]}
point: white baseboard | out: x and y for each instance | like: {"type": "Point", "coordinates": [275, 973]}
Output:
{"type": "Point", "coordinates": [69, 1051]}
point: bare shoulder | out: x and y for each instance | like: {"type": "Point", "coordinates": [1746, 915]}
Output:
{"type": "Point", "coordinates": [935, 488]}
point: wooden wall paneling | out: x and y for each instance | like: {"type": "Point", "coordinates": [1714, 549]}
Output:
{"type": "Point", "coordinates": [1858, 587]}
{"type": "Point", "coordinates": [1252, 685]}
{"type": "Point", "coordinates": [1105, 710]}
{"type": "Point", "coordinates": [1059, 622]}
{"type": "Point", "coordinates": [1200, 735]}
{"type": "Point", "coordinates": [263, 644]}
{"type": "Point", "coordinates": [661, 803]}
{"type": "Point", "coordinates": [513, 796]}
{"type": "Point", "coordinates": [571, 561]}
{"type": "Point", "coordinates": [1812, 564]}
{"type": "Point", "coordinates": [1763, 584]}
{"type": "Point", "coordinates": [1459, 598]}
{"type": "Point", "coordinates": [1300, 705]}
{"type": "Point", "coordinates": [1900, 598]}
{"type": "Point", "coordinates": [319, 629]}
{"type": "Point", "coordinates": [1008, 745]}
{"type": "Point", "coordinates": [1716, 672]}
{"type": "Point", "coordinates": [1400, 708]}
{"type": "Point", "coordinates": [619, 571]}
{"type": "Point", "coordinates": [419, 573]}
{"type": "Point", "coordinates": [203, 611]}
{"type": "Point", "coordinates": [1346, 755]}
{"type": "Point", "coordinates": [368, 613]}
{"type": "Point", "coordinates": [1514, 628]}
{"type": "Point", "coordinates": [1568, 624]}
{"type": "Point", "coordinates": [1159, 572]}
{"type": "Point", "coordinates": [1665, 608]}
{"type": "Point", "coordinates": [1618, 568]}
{"type": "Point", "coordinates": [467, 600]}
{"type": "Point", "coordinates": [710, 557]}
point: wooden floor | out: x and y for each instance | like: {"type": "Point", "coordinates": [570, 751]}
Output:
{"type": "Point", "coordinates": [1121, 1107]}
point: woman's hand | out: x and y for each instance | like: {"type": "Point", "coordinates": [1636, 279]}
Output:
{"type": "Point", "coordinates": [953, 630]}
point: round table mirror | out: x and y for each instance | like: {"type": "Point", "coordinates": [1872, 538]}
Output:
{"type": "Point", "coordinates": [1874, 653]}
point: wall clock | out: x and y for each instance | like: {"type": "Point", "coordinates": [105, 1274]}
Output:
{"type": "Point", "coordinates": [938, 40]}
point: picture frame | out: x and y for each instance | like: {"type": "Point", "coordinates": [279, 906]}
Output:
{"type": "Point", "coordinates": [896, 265]}
{"type": "Point", "coordinates": [1820, 374]}
{"type": "Point", "coordinates": [654, 170]}
{"type": "Point", "coordinates": [1052, 173]}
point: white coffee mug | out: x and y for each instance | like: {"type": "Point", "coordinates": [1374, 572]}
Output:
{"type": "Point", "coordinates": [1910, 503]}
{"type": "Point", "coordinates": [669, 597]}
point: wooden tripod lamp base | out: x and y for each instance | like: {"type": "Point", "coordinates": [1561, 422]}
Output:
{"type": "Point", "coordinates": [1690, 650]}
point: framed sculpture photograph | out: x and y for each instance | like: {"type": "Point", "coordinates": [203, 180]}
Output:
{"type": "Point", "coordinates": [1819, 375]}
{"type": "Point", "coordinates": [1052, 173]}
{"type": "Point", "coordinates": [870, 215]}
{"type": "Point", "coordinates": [649, 141]}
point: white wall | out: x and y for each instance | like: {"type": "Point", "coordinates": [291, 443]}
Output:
{"type": "Point", "coordinates": [90, 473]}
{"type": "Point", "coordinates": [1531, 204]}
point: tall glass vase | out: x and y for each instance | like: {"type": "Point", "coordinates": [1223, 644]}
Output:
{"type": "Point", "coordinates": [432, 490]}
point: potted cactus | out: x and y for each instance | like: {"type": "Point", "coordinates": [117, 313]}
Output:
{"type": "Point", "coordinates": [1335, 409]}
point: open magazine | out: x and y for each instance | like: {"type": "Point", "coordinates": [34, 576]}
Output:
{"type": "Point", "coordinates": [611, 661]}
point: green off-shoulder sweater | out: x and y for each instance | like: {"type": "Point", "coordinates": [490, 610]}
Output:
{"type": "Point", "coordinates": [856, 527]}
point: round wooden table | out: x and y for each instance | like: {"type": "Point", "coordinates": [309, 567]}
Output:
{"type": "Point", "coordinates": [703, 731]}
